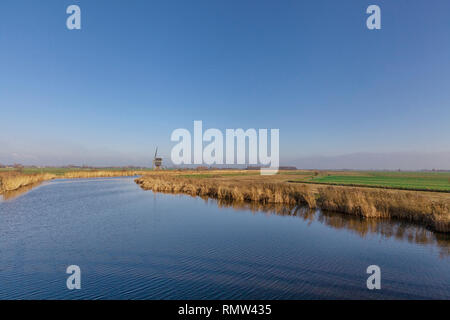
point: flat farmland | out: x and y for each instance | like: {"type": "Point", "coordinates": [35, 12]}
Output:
{"type": "Point", "coordinates": [422, 181]}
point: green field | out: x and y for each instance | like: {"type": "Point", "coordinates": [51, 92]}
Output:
{"type": "Point", "coordinates": [420, 181]}
{"type": "Point", "coordinates": [425, 181]}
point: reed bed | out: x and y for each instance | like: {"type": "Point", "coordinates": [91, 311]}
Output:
{"type": "Point", "coordinates": [362, 227]}
{"type": "Point", "coordinates": [380, 203]}
{"type": "Point", "coordinates": [11, 181]}
{"type": "Point", "coordinates": [100, 174]}
{"type": "Point", "coordinates": [15, 180]}
{"type": "Point", "coordinates": [420, 207]}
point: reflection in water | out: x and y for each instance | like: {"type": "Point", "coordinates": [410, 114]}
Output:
{"type": "Point", "coordinates": [389, 228]}
{"type": "Point", "coordinates": [135, 244]}
{"type": "Point", "coordinates": [10, 195]}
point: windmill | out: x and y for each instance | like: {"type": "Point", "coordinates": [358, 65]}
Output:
{"type": "Point", "coordinates": [157, 162]}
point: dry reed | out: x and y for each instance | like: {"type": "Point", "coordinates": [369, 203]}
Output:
{"type": "Point", "coordinates": [434, 212]}
{"type": "Point", "coordinates": [100, 174]}
{"type": "Point", "coordinates": [10, 181]}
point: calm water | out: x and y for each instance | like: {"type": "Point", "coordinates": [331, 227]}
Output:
{"type": "Point", "coordinates": [134, 244]}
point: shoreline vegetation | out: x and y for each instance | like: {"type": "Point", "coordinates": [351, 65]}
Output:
{"type": "Point", "coordinates": [363, 194]}
{"type": "Point", "coordinates": [389, 228]}
{"type": "Point", "coordinates": [431, 209]}
{"type": "Point", "coordinates": [12, 181]}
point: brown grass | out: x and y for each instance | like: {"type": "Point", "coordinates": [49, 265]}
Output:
{"type": "Point", "coordinates": [400, 230]}
{"type": "Point", "coordinates": [100, 174]}
{"type": "Point", "coordinates": [380, 203]}
{"type": "Point", "coordinates": [10, 181]}
{"type": "Point", "coordinates": [15, 180]}
{"type": "Point", "coordinates": [430, 209]}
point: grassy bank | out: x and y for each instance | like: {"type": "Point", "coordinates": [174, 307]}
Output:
{"type": "Point", "coordinates": [63, 171]}
{"type": "Point", "coordinates": [11, 181]}
{"type": "Point", "coordinates": [100, 174]}
{"type": "Point", "coordinates": [417, 181]}
{"type": "Point", "coordinates": [15, 180]}
{"type": "Point", "coordinates": [430, 209]}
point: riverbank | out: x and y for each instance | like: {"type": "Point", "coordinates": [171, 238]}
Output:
{"type": "Point", "coordinates": [431, 209]}
{"type": "Point", "coordinates": [13, 181]}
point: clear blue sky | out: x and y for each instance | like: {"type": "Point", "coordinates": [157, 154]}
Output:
{"type": "Point", "coordinates": [109, 93]}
